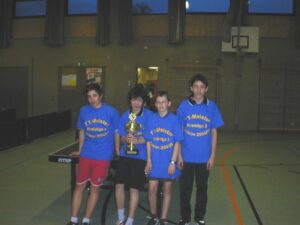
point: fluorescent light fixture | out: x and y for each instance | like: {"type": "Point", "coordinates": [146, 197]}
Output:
{"type": "Point", "coordinates": [153, 68]}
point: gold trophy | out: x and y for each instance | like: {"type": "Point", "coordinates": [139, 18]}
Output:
{"type": "Point", "coordinates": [132, 127]}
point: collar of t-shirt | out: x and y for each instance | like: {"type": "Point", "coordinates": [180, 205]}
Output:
{"type": "Point", "coordinates": [140, 112]}
{"type": "Point", "coordinates": [193, 102]}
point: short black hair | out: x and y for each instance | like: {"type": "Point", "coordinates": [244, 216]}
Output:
{"type": "Point", "coordinates": [138, 91]}
{"type": "Point", "coordinates": [95, 87]}
{"type": "Point", "coordinates": [161, 94]}
{"type": "Point", "coordinates": [199, 77]}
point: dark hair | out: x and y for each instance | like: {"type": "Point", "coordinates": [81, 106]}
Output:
{"type": "Point", "coordinates": [94, 87]}
{"type": "Point", "coordinates": [161, 94]}
{"type": "Point", "coordinates": [138, 91]}
{"type": "Point", "coordinates": [199, 77]}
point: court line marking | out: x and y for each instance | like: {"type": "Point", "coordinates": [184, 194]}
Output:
{"type": "Point", "coordinates": [236, 209]}
{"type": "Point", "coordinates": [258, 219]}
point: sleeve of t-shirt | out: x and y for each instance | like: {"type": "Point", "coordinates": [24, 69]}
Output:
{"type": "Point", "coordinates": [147, 117]}
{"type": "Point", "coordinates": [121, 129]}
{"type": "Point", "coordinates": [179, 114]}
{"type": "Point", "coordinates": [178, 135]}
{"type": "Point", "coordinates": [115, 119]}
{"type": "Point", "coordinates": [148, 127]}
{"type": "Point", "coordinates": [80, 122]}
{"type": "Point", "coordinates": [217, 120]}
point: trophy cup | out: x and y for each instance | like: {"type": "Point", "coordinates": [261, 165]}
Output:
{"type": "Point", "coordinates": [132, 127]}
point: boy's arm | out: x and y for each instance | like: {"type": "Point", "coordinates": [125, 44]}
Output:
{"type": "Point", "coordinates": [176, 151]}
{"type": "Point", "coordinates": [117, 143]}
{"type": "Point", "coordinates": [211, 161]}
{"type": "Point", "coordinates": [172, 163]}
{"type": "Point", "coordinates": [179, 158]}
{"type": "Point", "coordinates": [80, 141]}
{"type": "Point", "coordinates": [149, 163]}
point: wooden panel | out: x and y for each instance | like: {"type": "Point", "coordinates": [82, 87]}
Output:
{"type": "Point", "coordinates": [179, 73]}
{"type": "Point", "coordinates": [197, 25]}
{"type": "Point", "coordinates": [80, 26]}
{"type": "Point", "coordinates": [203, 25]}
{"type": "Point", "coordinates": [28, 28]}
{"type": "Point", "coordinates": [150, 25]}
{"type": "Point", "coordinates": [279, 99]}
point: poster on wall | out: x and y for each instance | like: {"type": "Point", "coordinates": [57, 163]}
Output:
{"type": "Point", "coordinates": [94, 75]}
{"type": "Point", "coordinates": [69, 80]}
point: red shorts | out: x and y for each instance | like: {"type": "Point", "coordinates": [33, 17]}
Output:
{"type": "Point", "coordinates": [91, 170]}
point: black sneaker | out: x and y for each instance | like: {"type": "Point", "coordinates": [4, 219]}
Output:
{"type": "Point", "coordinates": [153, 221]}
{"type": "Point", "coordinates": [200, 222]}
{"type": "Point", "coordinates": [182, 222]}
{"type": "Point", "coordinates": [71, 223]}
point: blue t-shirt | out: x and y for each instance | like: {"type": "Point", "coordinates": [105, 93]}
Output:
{"type": "Point", "coordinates": [197, 121]}
{"type": "Point", "coordinates": [141, 120]}
{"type": "Point", "coordinates": [99, 125]}
{"type": "Point", "coordinates": [163, 133]}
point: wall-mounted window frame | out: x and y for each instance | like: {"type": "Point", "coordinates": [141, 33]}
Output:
{"type": "Point", "coordinates": [37, 8]}
{"type": "Point", "coordinates": [81, 7]}
{"type": "Point", "coordinates": [207, 6]}
{"type": "Point", "coordinates": [148, 7]}
{"type": "Point", "coordinates": [279, 7]}
{"type": "Point", "coordinates": [29, 8]}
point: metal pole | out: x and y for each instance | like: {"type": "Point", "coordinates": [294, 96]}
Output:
{"type": "Point", "coordinates": [238, 70]}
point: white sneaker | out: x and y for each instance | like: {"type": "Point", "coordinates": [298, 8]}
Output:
{"type": "Point", "coordinates": [120, 222]}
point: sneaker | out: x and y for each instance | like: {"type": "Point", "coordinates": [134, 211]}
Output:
{"type": "Point", "coordinates": [71, 223]}
{"type": "Point", "coordinates": [153, 221]}
{"type": "Point", "coordinates": [200, 222]}
{"type": "Point", "coordinates": [181, 222]}
{"type": "Point", "coordinates": [120, 222]}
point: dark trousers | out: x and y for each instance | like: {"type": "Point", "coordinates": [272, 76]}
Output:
{"type": "Point", "coordinates": [186, 181]}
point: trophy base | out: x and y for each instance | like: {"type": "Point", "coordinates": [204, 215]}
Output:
{"type": "Point", "coordinates": [132, 152]}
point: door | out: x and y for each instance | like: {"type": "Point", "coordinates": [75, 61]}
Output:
{"type": "Point", "coordinates": [14, 90]}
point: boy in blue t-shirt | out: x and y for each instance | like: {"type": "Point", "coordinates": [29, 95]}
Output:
{"type": "Point", "coordinates": [97, 124]}
{"type": "Point", "coordinates": [199, 118]}
{"type": "Point", "coordinates": [163, 135]}
{"type": "Point", "coordinates": [130, 168]}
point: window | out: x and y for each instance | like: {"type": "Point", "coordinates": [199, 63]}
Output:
{"type": "Point", "coordinates": [207, 6]}
{"type": "Point", "coordinates": [150, 6]}
{"type": "Point", "coordinates": [271, 6]}
{"type": "Point", "coordinates": [29, 8]}
{"type": "Point", "coordinates": [77, 7]}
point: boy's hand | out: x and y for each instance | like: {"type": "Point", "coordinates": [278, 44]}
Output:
{"type": "Point", "coordinates": [75, 153]}
{"type": "Point", "coordinates": [180, 162]}
{"type": "Point", "coordinates": [211, 163]}
{"type": "Point", "coordinates": [148, 167]}
{"type": "Point", "coordinates": [171, 169]}
{"type": "Point", "coordinates": [131, 139]}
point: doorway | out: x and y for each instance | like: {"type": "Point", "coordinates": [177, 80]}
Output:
{"type": "Point", "coordinates": [14, 90]}
{"type": "Point", "coordinates": [148, 76]}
